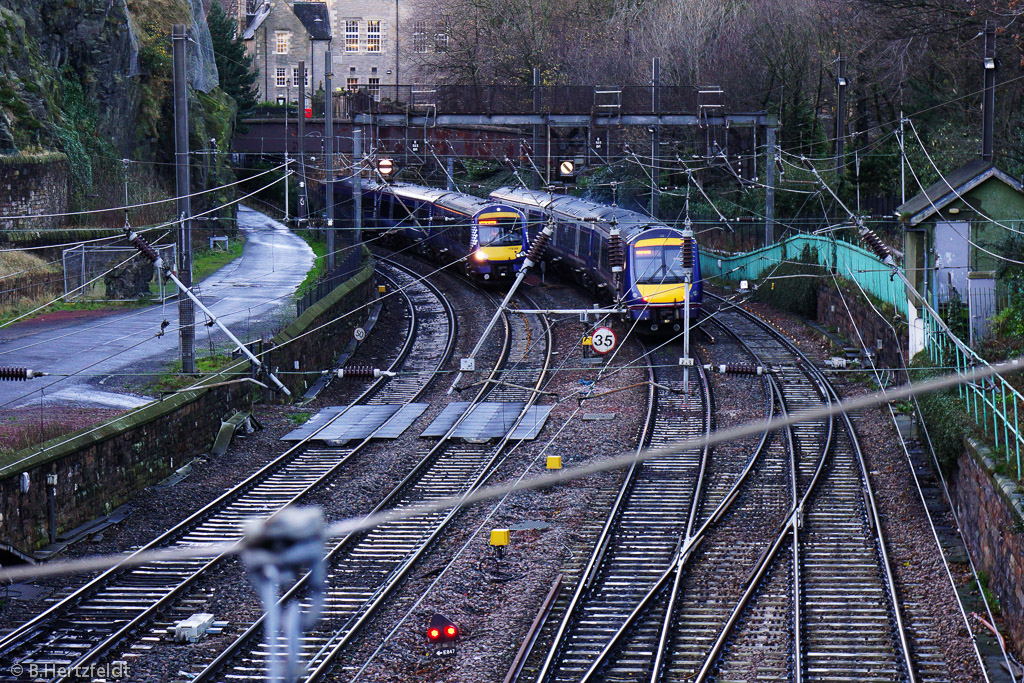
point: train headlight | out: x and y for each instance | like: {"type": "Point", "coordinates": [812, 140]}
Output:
{"type": "Point", "coordinates": [480, 255]}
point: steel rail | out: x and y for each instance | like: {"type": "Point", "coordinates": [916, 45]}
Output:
{"type": "Point", "coordinates": [346, 632]}
{"type": "Point", "coordinates": [15, 638]}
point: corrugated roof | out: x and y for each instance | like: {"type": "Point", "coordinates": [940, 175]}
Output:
{"type": "Point", "coordinates": [315, 17]}
{"type": "Point", "coordinates": [951, 187]}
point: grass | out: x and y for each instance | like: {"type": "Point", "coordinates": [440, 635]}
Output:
{"type": "Point", "coordinates": [173, 380]}
{"type": "Point", "coordinates": [204, 264]}
{"type": "Point", "coordinates": [300, 417]}
{"type": "Point", "coordinates": [318, 243]}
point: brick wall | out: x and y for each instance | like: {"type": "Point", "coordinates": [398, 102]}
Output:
{"type": "Point", "coordinates": [833, 312]}
{"type": "Point", "coordinates": [33, 186]}
{"type": "Point", "coordinates": [100, 470]}
{"type": "Point", "coordinates": [991, 512]}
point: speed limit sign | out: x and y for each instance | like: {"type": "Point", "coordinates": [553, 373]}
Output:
{"type": "Point", "coordinates": [603, 340]}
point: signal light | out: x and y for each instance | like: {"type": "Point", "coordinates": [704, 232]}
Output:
{"type": "Point", "coordinates": [442, 633]}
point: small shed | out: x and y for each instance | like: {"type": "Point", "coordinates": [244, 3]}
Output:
{"type": "Point", "coordinates": [953, 235]}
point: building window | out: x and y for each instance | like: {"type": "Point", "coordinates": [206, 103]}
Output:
{"type": "Point", "coordinates": [352, 83]}
{"type": "Point", "coordinates": [441, 42]}
{"type": "Point", "coordinates": [351, 36]}
{"type": "Point", "coordinates": [374, 88]}
{"type": "Point", "coordinates": [419, 37]}
{"type": "Point", "coordinates": [281, 42]}
{"type": "Point", "coordinates": [282, 77]}
{"type": "Point", "coordinates": [297, 77]}
{"type": "Point", "coordinates": [373, 36]}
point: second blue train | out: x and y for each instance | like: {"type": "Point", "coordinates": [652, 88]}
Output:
{"type": "Point", "coordinates": [621, 255]}
{"type": "Point", "coordinates": [653, 257]}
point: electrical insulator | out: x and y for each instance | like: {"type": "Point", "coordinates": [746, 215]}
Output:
{"type": "Point", "coordinates": [137, 241]}
{"type": "Point", "coordinates": [540, 243]}
{"type": "Point", "coordinates": [737, 369]}
{"type": "Point", "coordinates": [18, 374]}
{"type": "Point", "coordinates": [362, 371]}
{"type": "Point", "coordinates": [616, 253]}
{"type": "Point", "coordinates": [686, 253]}
{"type": "Point", "coordinates": [874, 243]}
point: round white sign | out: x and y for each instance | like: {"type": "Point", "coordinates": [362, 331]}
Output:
{"type": "Point", "coordinates": [603, 340]}
{"type": "Point", "coordinates": [359, 333]}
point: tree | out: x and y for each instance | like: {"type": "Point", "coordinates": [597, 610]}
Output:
{"type": "Point", "coordinates": [235, 68]}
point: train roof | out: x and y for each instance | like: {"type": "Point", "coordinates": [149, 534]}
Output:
{"type": "Point", "coordinates": [628, 222]}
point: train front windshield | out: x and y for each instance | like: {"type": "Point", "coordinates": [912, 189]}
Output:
{"type": "Point", "coordinates": [500, 232]}
{"type": "Point", "coordinates": [656, 264]}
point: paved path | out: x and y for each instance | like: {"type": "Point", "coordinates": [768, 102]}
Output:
{"type": "Point", "coordinates": [245, 295]}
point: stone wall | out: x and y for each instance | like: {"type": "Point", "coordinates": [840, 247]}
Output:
{"type": "Point", "coordinates": [835, 311]}
{"type": "Point", "coordinates": [991, 512]}
{"type": "Point", "coordinates": [98, 470]}
{"type": "Point", "coordinates": [30, 186]}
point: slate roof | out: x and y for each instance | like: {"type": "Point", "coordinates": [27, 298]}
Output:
{"type": "Point", "coordinates": [953, 186]}
{"type": "Point", "coordinates": [256, 21]}
{"type": "Point", "coordinates": [315, 17]}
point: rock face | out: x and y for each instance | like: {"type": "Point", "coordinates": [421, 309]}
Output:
{"type": "Point", "coordinates": [91, 39]}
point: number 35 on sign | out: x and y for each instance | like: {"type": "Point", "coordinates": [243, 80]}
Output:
{"type": "Point", "coordinates": [603, 340]}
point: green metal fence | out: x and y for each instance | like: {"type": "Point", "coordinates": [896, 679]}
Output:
{"type": "Point", "coordinates": [844, 258]}
{"type": "Point", "coordinates": [993, 403]}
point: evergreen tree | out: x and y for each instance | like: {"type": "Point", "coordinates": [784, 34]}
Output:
{"type": "Point", "coordinates": [237, 73]}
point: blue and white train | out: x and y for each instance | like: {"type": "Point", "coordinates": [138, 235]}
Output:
{"type": "Point", "coordinates": [489, 237]}
{"type": "Point", "coordinates": [651, 285]}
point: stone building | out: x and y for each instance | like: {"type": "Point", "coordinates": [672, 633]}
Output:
{"type": "Point", "coordinates": [365, 37]}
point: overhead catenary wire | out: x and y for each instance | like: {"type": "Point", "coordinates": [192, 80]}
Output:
{"type": "Point", "coordinates": [341, 528]}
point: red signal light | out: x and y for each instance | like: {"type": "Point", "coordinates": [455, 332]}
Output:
{"type": "Point", "coordinates": [433, 633]}
{"type": "Point", "coordinates": [450, 631]}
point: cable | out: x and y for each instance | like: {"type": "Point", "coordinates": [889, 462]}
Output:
{"type": "Point", "coordinates": [344, 527]}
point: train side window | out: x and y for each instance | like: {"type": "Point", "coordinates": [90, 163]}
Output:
{"type": "Point", "coordinates": [603, 256]}
{"type": "Point", "coordinates": [535, 223]}
{"type": "Point", "coordinates": [583, 247]}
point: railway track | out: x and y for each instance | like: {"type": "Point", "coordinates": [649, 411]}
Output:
{"type": "Point", "coordinates": [87, 625]}
{"type": "Point", "coordinates": [825, 583]}
{"type": "Point", "coordinates": [748, 593]}
{"type": "Point", "coordinates": [365, 568]}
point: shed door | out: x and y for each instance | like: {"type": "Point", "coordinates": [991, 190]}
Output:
{"type": "Point", "coordinates": [952, 255]}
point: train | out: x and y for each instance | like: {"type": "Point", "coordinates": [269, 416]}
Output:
{"type": "Point", "coordinates": [621, 255]}
{"type": "Point", "coordinates": [489, 238]}
{"type": "Point", "coordinates": [652, 255]}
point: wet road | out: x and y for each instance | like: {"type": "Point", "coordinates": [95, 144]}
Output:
{"type": "Point", "coordinates": [86, 354]}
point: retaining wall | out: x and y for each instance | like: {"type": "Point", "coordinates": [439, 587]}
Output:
{"type": "Point", "coordinates": [836, 309]}
{"type": "Point", "coordinates": [100, 469]}
{"type": "Point", "coordinates": [30, 186]}
{"type": "Point", "coordinates": [991, 512]}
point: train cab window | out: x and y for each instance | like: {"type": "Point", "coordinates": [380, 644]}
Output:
{"type": "Point", "coordinates": [500, 231]}
{"type": "Point", "coordinates": [657, 263]}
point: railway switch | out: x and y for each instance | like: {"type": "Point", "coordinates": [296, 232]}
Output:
{"type": "Point", "coordinates": [442, 634]}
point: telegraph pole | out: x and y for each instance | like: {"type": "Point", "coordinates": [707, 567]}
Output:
{"type": "Point", "coordinates": [302, 142]}
{"type": "Point", "coordinates": [357, 182]}
{"type": "Point", "coordinates": [655, 133]}
{"type": "Point", "coordinates": [329, 157]}
{"type": "Point", "coordinates": [989, 105]}
{"type": "Point", "coordinates": [769, 190]}
{"type": "Point", "coordinates": [287, 103]}
{"type": "Point", "coordinates": [186, 310]}
{"type": "Point", "coordinates": [841, 115]}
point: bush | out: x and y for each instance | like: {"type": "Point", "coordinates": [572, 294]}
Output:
{"type": "Point", "coordinates": [944, 416]}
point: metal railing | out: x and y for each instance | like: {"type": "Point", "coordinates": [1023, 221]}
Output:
{"type": "Point", "coordinates": [349, 259]}
{"type": "Point", "coordinates": [521, 99]}
{"type": "Point", "coordinates": [994, 404]}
